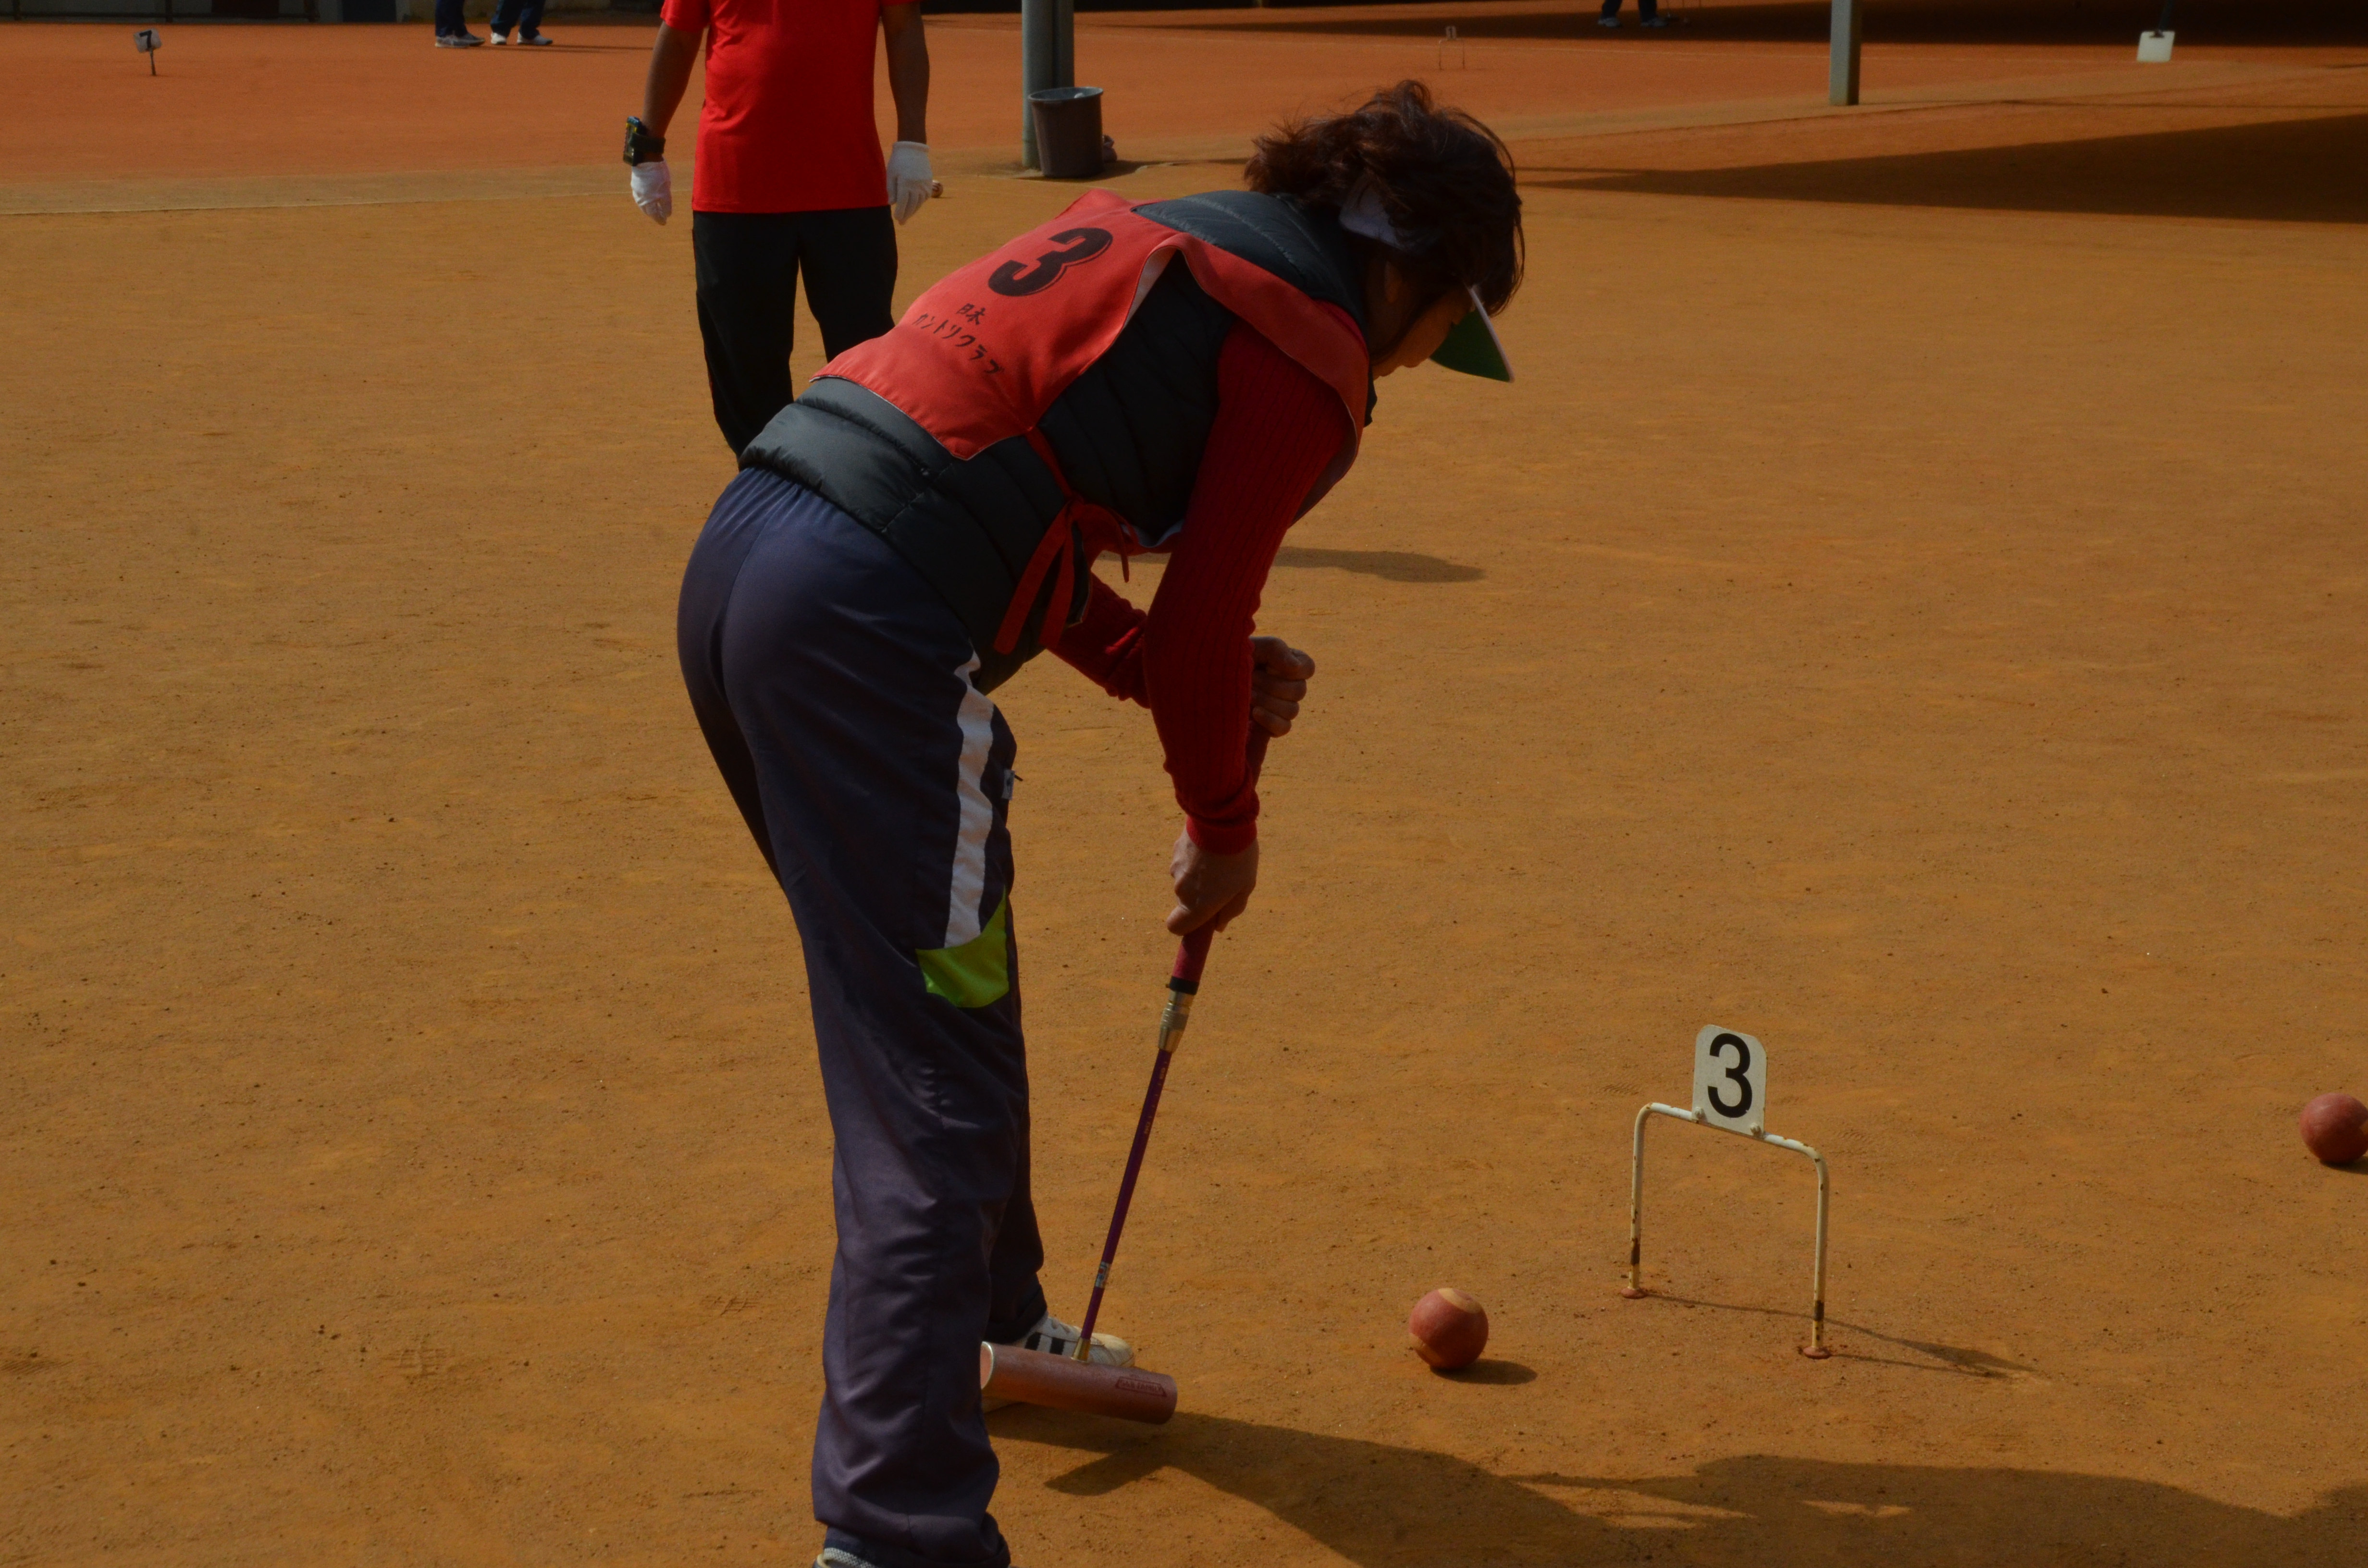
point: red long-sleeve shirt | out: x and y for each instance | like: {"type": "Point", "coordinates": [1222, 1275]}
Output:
{"type": "Point", "coordinates": [1277, 429]}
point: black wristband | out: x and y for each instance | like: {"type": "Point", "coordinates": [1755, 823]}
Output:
{"type": "Point", "coordinates": [642, 145]}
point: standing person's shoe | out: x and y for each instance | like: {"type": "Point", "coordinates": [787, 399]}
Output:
{"type": "Point", "coordinates": [458, 40]}
{"type": "Point", "coordinates": [1612, 22]}
{"type": "Point", "coordinates": [532, 37]}
{"type": "Point", "coordinates": [500, 37]}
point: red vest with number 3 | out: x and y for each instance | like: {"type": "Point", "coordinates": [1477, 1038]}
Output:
{"type": "Point", "coordinates": [982, 355]}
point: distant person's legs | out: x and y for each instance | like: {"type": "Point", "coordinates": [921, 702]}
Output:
{"type": "Point", "coordinates": [1610, 17]}
{"type": "Point", "coordinates": [747, 268]}
{"type": "Point", "coordinates": [526, 16]}
{"type": "Point", "coordinates": [452, 24]}
{"type": "Point", "coordinates": [850, 264]}
{"type": "Point", "coordinates": [747, 265]}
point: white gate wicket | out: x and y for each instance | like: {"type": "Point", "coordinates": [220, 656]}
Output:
{"type": "Point", "coordinates": [1744, 1121]}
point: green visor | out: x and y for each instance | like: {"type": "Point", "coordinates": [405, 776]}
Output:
{"type": "Point", "coordinates": [1472, 345]}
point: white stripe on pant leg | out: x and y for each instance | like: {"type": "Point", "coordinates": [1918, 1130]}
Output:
{"type": "Point", "coordinates": [977, 719]}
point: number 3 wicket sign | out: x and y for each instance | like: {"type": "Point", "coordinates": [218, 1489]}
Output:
{"type": "Point", "coordinates": [1730, 1081]}
{"type": "Point", "coordinates": [1730, 1095]}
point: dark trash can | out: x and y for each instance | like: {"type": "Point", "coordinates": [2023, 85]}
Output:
{"type": "Point", "coordinates": [1069, 131]}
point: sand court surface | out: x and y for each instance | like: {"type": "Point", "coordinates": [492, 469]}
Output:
{"type": "Point", "coordinates": [1911, 606]}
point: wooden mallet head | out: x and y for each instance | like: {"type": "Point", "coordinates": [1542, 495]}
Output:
{"type": "Point", "coordinates": [1056, 1383]}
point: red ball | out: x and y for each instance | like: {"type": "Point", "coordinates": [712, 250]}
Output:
{"type": "Point", "coordinates": [1449, 1329]}
{"type": "Point", "coordinates": [2335, 1129]}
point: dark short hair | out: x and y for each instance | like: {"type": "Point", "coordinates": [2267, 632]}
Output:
{"type": "Point", "coordinates": [1445, 179]}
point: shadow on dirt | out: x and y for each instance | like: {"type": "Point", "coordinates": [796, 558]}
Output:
{"type": "Point", "coordinates": [1393, 565]}
{"type": "Point", "coordinates": [2292, 171]}
{"type": "Point", "coordinates": [1895, 21]}
{"type": "Point", "coordinates": [1382, 1506]}
{"type": "Point", "coordinates": [1488, 1370]}
{"type": "Point", "coordinates": [1932, 1356]}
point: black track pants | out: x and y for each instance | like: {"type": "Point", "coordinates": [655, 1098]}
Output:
{"type": "Point", "coordinates": [748, 264]}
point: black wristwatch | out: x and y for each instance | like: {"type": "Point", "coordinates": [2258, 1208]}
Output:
{"type": "Point", "coordinates": [642, 145]}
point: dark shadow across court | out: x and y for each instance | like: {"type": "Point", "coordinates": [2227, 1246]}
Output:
{"type": "Point", "coordinates": [2308, 171]}
{"type": "Point", "coordinates": [1380, 1505]}
{"type": "Point", "coordinates": [2210, 22]}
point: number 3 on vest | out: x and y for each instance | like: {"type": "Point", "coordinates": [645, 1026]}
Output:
{"type": "Point", "coordinates": [1730, 1080]}
{"type": "Point", "coordinates": [1014, 279]}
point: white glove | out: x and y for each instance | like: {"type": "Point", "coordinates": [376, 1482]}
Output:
{"type": "Point", "coordinates": [908, 178]}
{"type": "Point", "coordinates": [653, 190]}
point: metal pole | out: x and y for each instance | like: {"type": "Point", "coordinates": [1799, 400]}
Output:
{"type": "Point", "coordinates": [1816, 1349]}
{"type": "Point", "coordinates": [1636, 1212]}
{"type": "Point", "coordinates": [1841, 75]}
{"type": "Point", "coordinates": [1040, 65]}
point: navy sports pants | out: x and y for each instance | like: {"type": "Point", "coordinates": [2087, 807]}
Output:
{"type": "Point", "coordinates": [834, 688]}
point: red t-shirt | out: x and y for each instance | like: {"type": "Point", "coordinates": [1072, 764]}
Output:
{"type": "Point", "coordinates": [787, 124]}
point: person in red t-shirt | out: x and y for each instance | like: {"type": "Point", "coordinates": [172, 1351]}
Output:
{"type": "Point", "coordinates": [788, 175]}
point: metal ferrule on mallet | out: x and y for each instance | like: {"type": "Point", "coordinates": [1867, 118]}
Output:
{"type": "Point", "coordinates": [1173, 1016]}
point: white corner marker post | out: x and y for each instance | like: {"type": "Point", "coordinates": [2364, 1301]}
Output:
{"type": "Point", "coordinates": [146, 42]}
{"type": "Point", "coordinates": [2154, 45]}
{"type": "Point", "coordinates": [1731, 1096]}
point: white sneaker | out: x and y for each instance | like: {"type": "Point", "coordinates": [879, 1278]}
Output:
{"type": "Point", "coordinates": [501, 38]}
{"type": "Point", "coordinates": [1057, 1338]}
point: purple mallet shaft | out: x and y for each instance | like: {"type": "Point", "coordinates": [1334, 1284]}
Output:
{"type": "Point", "coordinates": [1183, 982]}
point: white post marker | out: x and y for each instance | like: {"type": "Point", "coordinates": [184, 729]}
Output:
{"type": "Point", "coordinates": [2154, 48]}
{"type": "Point", "coordinates": [146, 42]}
{"type": "Point", "coordinates": [1731, 1096]}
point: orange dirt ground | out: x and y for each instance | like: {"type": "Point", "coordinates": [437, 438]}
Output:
{"type": "Point", "coordinates": [1912, 607]}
